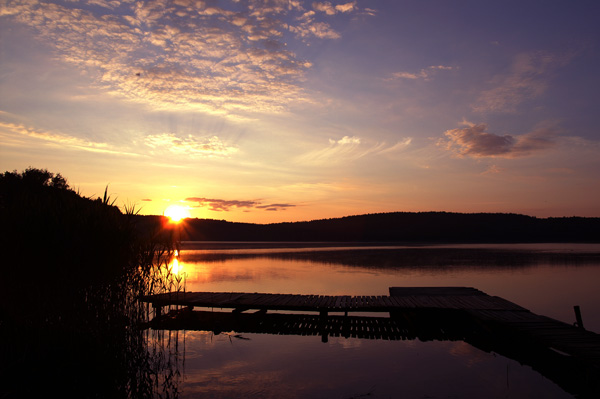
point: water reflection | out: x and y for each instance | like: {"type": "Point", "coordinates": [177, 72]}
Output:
{"type": "Point", "coordinates": [437, 256]}
{"type": "Point", "coordinates": [275, 366]}
{"type": "Point", "coordinates": [234, 361]}
{"type": "Point", "coordinates": [165, 362]}
{"type": "Point", "coordinates": [423, 324]}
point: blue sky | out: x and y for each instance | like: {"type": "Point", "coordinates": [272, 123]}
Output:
{"type": "Point", "coordinates": [268, 111]}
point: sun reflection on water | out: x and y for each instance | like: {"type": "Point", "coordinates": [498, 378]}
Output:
{"type": "Point", "coordinates": [176, 267]}
{"type": "Point", "coordinates": [172, 274]}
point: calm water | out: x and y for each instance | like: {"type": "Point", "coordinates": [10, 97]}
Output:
{"type": "Point", "coordinates": [548, 279]}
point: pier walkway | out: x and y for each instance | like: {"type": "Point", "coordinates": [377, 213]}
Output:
{"type": "Point", "coordinates": [400, 298]}
{"type": "Point", "coordinates": [568, 355]}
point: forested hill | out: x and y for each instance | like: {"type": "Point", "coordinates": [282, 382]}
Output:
{"type": "Point", "coordinates": [404, 227]}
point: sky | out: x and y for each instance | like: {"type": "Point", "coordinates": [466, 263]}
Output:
{"type": "Point", "coordinates": [282, 110]}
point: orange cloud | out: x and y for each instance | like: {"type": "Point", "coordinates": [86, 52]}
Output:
{"type": "Point", "coordinates": [182, 54]}
{"type": "Point", "coordinates": [330, 9]}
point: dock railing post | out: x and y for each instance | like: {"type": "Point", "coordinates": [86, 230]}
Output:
{"type": "Point", "coordinates": [579, 322]}
{"type": "Point", "coordinates": [157, 309]}
{"type": "Point", "coordinates": [323, 325]}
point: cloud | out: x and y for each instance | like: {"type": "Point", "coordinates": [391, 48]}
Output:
{"type": "Point", "coordinates": [104, 3]}
{"type": "Point", "coordinates": [369, 12]}
{"type": "Point", "coordinates": [322, 30]}
{"type": "Point", "coordinates": [349, 148]}
{"type": "Point", "coordinates": [325, 7]}
{"type": "Point", "coordinates": [474, 141]}
{"type": "Point", "coordinates": [527, 79]}
{"type": "Point", "coordinates": [308, 26]}
{"type": "Point", "coordinates": [275, 207]}
{"type": "Point", "coordinates": [59, 139]}
{"type": "Point", "coordinates": [346, 140]}
{"type": "Point", "coordinates": [399, 146]}
{"type": "Point", "coordinates": [348, 7]}
{"type": "Point", "coordinates": [425, 73]}
{"type": "Point", "coordinates": [221, 205]}
{"type": "Point", "coordinates": [190, 146]}
{"type": "Point", "coordinates": [228, 59]}
{"type": "Point", "coordinates": [330, 9]}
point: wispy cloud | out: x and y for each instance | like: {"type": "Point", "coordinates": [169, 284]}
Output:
{"type": "Point", "coordinates": [527, 79]}
{"type": "Point", "coordinates": [350, 148]}
{"type": "Point", "coordinates": [190, 146]}
{"type": "Point", "coordinates": [227, 58]}
{"type": "Point", "coordinates": [399, 146]}
{"type": "Point", "coordinates": [221, 205]}
{"type": "Point", "coordinates": [474, 141]}
{"type": "Point", "coordinates": [59, 139]}
{"type": "Point", "coordinates": [423, 74]}
{"type": "Point", "coordinates": [371, 12]}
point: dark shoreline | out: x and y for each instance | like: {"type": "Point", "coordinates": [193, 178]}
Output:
{"type": "Point", "coordinates": [392, 228]}
{"type": "Point", "coordinates": [225, 245]}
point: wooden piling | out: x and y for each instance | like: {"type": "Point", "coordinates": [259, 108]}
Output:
{"type": "Point", "coordinates": [579, 322]}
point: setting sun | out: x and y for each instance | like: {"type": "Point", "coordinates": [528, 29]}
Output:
{"type": "Point", "coordinates": [176, 213]}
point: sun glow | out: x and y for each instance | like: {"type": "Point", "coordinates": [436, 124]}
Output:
{"type": "Point", "coordinates": [176, 213]}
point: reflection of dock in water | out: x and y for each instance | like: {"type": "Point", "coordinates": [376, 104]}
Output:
{"type": "Point", "coordinates": [568, 355]}
{"type": "Point", "coordinates": [409, 326]}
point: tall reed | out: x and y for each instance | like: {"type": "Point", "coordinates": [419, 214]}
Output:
{"type": "Point", "coordinates": [72, 271]}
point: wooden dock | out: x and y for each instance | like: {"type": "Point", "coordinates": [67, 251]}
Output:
{"type": "Point", "coordinates": [457, 298]}
{"type": "Point", "coordinates": [568, 355]}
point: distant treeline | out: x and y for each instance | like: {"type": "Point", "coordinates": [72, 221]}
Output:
{"type": "Point", "coordinates": [401, 227]}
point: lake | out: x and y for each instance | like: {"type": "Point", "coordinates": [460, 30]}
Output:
{"type": "Point", "coordinates": [548, 279]}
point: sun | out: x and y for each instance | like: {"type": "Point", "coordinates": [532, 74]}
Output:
{"type": "Point", "coordinates": [176, 213]}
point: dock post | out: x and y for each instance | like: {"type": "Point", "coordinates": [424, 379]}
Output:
{"type": "Point", "coordinates": [579, 322]}
{"type": "Point", "coordinates": [157, 309]}
{"type": "Point", "coordinates": [323, 325]}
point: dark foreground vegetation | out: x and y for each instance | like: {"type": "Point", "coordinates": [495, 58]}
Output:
{"type": "Point", "coordinates": [430, 227]}
{"type": "Point", "coordinates": [72, 269]}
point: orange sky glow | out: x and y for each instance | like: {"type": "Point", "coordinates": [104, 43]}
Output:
{"type": "Point", "coordinates": [281, 110]}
